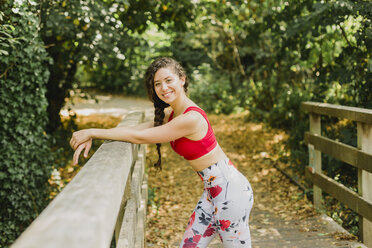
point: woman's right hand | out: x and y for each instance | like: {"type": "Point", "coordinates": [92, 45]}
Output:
{"type": "Point", "coordinates": [80, 137]}
{"type": "Point", "coordinates": [85, 145]}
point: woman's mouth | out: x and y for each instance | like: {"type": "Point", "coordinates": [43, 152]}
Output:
{"type": "Point", "coordinates": [167, 94]}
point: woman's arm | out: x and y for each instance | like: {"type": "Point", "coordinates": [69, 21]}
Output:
{"type": "Point", "coordinates": [144, 125]}
{"type": "Point", "coordinates": [180, 126]}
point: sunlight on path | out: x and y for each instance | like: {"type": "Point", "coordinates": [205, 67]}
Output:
{"type": "Point", "coordinates": [114, 105]}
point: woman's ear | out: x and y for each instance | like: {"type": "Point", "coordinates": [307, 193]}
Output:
{"type": "Point", "coordinates": [183, 81]}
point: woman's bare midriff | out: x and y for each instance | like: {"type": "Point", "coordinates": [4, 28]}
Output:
{"type": "Point", "coordinates": [208, 159]}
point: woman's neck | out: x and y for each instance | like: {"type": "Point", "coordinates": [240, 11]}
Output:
{"type": "Point", "coordinates": [181, 105]}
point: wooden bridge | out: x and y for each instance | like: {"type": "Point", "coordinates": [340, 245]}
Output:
{"type": "Point", "coordinates": [105, 204]}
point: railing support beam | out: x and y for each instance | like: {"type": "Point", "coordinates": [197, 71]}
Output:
{"type": "Point", "coordinates": [365, 181]}
{"type": "Point", "coordinates": [315, 158]}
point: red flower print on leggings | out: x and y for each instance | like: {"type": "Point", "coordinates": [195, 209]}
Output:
{"type": "Point", "coordinates": [224, 224]}
{"type": "Point", "coordinates": [192, 242]}
{"type": "Point", "coordinates": [214, 191]}
{"type": "Point", "coordinates": [209, 232]}
{"type": "Point", "coordinates": [191, 221]}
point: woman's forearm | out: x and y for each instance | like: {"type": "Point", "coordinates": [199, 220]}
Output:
{"type": "Point", "coordinates": [129, 134]}
{"type": "Point", "coordinates": [117, 133]}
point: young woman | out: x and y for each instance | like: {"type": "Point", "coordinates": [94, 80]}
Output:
{"type": "Point", "coordinates": [227, 199]}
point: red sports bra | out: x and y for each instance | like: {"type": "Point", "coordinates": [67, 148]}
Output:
{"type": "Point", "coordinates": [193, 149]}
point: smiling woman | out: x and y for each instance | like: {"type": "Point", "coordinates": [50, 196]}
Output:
{"type": "Point", "coordinates": [225, 205]}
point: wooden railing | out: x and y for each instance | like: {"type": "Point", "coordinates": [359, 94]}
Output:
{"type": "Point", "coordinates": [108, 196]}
{"type": "Point", "coordinates": [360, 157]}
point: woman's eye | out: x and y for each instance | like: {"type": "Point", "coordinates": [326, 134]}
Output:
{"type": "Point", "coordinates": [169, 80]}
{"type": "Point", "coordinates": [157, 84]}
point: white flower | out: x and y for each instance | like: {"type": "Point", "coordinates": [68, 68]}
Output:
{"type": "Point", "coordinates": [15, 10]}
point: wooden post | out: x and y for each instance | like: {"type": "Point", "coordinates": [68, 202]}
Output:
{"type": "Point", "coordinates": [315, 158]}
{"type": "Point", "coordinates": [365, 182]}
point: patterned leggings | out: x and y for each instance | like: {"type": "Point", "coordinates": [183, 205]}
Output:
{"type": "Point", "coordinates": [223, 208]}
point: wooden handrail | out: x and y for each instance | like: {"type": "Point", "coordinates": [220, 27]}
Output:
{"type": "Point", "coordinates": [340, 151]}
{"type": "Point", "coordinates": [343, 194]}
{"type": "Point", "coordinates": [350, 113]}
{"type": "Point", "coordinates": [85, 213]}
{"type": "Point", "coordinates": [360, 157]}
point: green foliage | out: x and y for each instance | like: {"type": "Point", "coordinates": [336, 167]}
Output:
{"type": "Point", "coordinates": [74, 32]}
{"type": "Point", "coordinates": [211, 92]}
{"type": "Point", "coordinates": [25, 159]}
{"type": "Point", "coordinates": [101, 39]}
{"type": "Point", "coordinates": [121, 70]}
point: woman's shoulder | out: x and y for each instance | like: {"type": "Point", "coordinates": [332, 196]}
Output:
{"type": "Point", "coordinates": [196, 114]}
{"type": "Point", "coordinates": [195, 110]}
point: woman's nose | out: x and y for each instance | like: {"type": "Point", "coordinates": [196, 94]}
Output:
{"type": "Point", "coordinates": [164, 86]}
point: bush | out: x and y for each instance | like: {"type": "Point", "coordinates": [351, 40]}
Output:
{"type": "Point", "coordinates": [24, 158]}
{"type": "Point", "coordinates": [212, 92]}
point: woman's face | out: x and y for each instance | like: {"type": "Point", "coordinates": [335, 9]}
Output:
{"type": "Point", "coordinates": [167, 84]}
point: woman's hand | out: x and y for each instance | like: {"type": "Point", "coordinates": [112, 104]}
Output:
{"type": "Point", "coordinates": [79, 137]}
{"type": "Point", "coordinates": [86, 145]}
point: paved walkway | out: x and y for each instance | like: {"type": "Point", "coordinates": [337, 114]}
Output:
{"type": "Point", "coordinates": [269, 230]}
{"type": "Point", "coordinates": [115, 105]}
{"type": "Point", "coordinates": [272, 231]}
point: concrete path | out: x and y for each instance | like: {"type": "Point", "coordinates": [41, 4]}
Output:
{"type": "Point", "coordinates": [115, 105]}
{"type": "Point", "coordinates": [272, 231]}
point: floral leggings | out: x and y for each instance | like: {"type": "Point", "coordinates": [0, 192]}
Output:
{"type": "Point", "coordinates": [223, 208]}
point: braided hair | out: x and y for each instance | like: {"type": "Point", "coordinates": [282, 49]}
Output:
{"type": "Point", "coordinates": [159, 105]}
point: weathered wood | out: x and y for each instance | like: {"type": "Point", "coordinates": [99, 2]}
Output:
{"type": "Point", "coordinates": [126, 197]}
{"type": "Point", "coordinates": [315, 158]}
{"type": "Point", "coordinates": [365, 181]}
{"type": "Point", "coordinates": [360, 157]}
{"type": "Point", "coordinates": [343, 194]}
{"type": "Point", "coordinates": [137, 178]}
{"type": "Point", "coordinates": [338, 150]}
{"type": "Point", "coordinates": [127, 234]}
{"type": "Point", "coordinates": [141, 216]}
{"type": "Point", "coordinates": [85, 212]}
{"type": "Point", "coordinates": [351, 113]}
{"type": "Point", "coordinates": [131, 231]}
{"type": "Point", "coordinates": [360, 176]}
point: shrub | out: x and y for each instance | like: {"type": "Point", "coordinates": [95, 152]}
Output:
{"type": "Point", "coordinates": [24, 158]}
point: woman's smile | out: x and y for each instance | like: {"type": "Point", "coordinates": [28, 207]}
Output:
{"type": "Point", "coordinates": [168, 94]}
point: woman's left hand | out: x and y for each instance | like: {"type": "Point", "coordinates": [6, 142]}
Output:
{"type": "Point", "coordinates": [79, 137]}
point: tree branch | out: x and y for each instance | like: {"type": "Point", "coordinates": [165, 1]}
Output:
{"type": "Point", "coordinates": [344, 34]}
{"type": "Point", "coordinates": [6, 71]}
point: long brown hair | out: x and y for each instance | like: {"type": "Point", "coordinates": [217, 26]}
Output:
{"type": "Point", "coordinates": [159, 105]}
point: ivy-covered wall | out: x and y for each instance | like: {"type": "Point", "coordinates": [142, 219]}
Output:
{"type": "Point", "coordinates": [25, 163]}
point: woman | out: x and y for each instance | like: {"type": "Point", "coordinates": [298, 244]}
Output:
{"type": "Point", "coordinates": [227, 199]}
